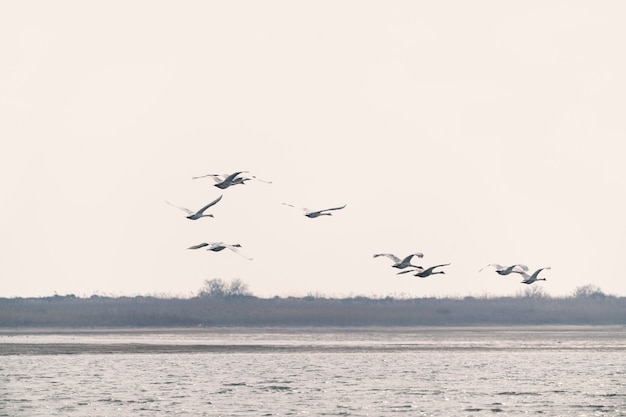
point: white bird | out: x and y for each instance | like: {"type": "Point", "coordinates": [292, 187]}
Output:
{"type": "Point", "coordinates": [312, 213]}
{"type": "Point", "coordinates": [529, 279]}
{"type": "Point", "coordinates": [401, 263]}
{"type": "Point", "coordinates": [198, 214]}
{"type": "Point", "coordinates": [423, 273]}
{"type": "Point", "coordinates": [219, 246]}
{"type": "Point", "coordinates": [222, 179]}
{"type": "Point", "coordinates": [230, 180]}
{"type": "Point", "coordinates": [506, 270]}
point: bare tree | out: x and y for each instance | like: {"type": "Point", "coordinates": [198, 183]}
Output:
{"type": "Point", "coordinates": [219, 288]}
{"type": "Point", "coordinates": [588, 291]}
{"type": "Point", "coordinates": [215, 287]}
{"type": "Point", "coordinates": [238, 288]}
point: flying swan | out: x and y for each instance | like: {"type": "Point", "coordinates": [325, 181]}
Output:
{"type": "Point", "coordinates": [506, 270]}
{"type": "Point", "coordinates": [227, 180]}
{"type": "Point", "coordinates": [219, 246]}
{"type": "Point", "coordinates": [401, 263]}
{"type": "Point", "coordinates": [423, 273]}
{"type": "Point", "coordinates": [313, 214]}
{"type": "Point", "coordinates": [529, 279]}
{"type": "Point", "coordinates": [198, 214]}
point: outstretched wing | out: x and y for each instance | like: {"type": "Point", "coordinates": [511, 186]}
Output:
{"type": "Point", "coordinates": [522, 266]}
{"type": "Point", "coordinates": [497, 266]}
{"type": "Point", "coordinates": [333, 208]}
{"type": "Point", "coordinates": [259, 179]}
{"type": "Point", "coordinates": [232, 176]}
{"type": "Point", "coordinates": [202, 210]}
{"type": "Point", "coordinates": [234, 249]}
{"type": "Point", "coordinates": [536, 273]}
{"type": "Point", "coordinates": [186, 210]}
{"type": "Point", "coordinates": [230, 180]}
{"type": "Point", "coordinates": [409, 257]}
{"type": "Point", "coordinates": [406, 271]}
{"type": "Point", "coordinates": [388, 255]}
{"type": "Point", "coordinates": [216, 177]}
{"type": "Point", "coordinates": [306, 210]}
{"type": "Point", "coordinates": [198, 246]}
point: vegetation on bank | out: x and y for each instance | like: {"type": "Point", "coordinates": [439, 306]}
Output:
{"type": "Point", "coordinates": [230, 304]}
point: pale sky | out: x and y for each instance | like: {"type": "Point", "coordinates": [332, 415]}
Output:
{"type": "Point", "coordinates": [475, 132]}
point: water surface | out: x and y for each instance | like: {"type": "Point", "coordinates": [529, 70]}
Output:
{"type": "Point", "coordinates": [555, 371]}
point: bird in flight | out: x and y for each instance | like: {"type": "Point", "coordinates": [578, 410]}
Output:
{"type": "Point", "coordinates": [529, 279]}
{"type": "Point", "coordinates": [401, 263]}
{"type": "Point", "coordinates": [506, 270]}
{"type": "Point", "coordinates": [198, 214]}
{"type": "Point", "coordinates": [219, 246]}
{"type": "Point", "coordinates": [423, 273]}
{"type": "Point", "coordinates": [315, 213]}
{"type": "Point", "coordinates": [227, 180]}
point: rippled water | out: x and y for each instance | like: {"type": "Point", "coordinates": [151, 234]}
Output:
{"type": "Point", "coordinates": [357, 372]}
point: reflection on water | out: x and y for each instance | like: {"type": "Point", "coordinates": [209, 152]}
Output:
{"type": "Point", "coordinates": [571, 371]}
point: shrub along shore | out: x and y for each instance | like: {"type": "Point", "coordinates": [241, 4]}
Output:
{"type": "Point", "coordinates": [209, 309]}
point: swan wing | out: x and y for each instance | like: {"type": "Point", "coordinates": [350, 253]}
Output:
{"type": "Point", "coordinates": [234, 249]}
{"type": "Point", "coordinates": [216, 177]}
{"type": "Point", "coordinates": [497, 266]}
{"type": "Point", "coordinates": [390, 256]}
{"type": "Point", "coordinates": [259, 179]}
{"type": "Point", "coordinates": [306, 210]}
{"type": "Point", "coordinates": [203, 209]}
{"type": "Point", "coordinates": [333, 208]}
{"type": "Point", "coordinates": [406, 271]}
{"type": "Point", "coordinates": [186, 210]}
{"type": "Point", "coordinates": [536, 273]}
{"type": "Point", "coordinates": [232, 176]}
{"type": "Point", "coordinates": [409, 257]}
{"type": "Point", "coordinates": [199, 245]}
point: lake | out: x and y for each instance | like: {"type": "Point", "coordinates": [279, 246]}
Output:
{"type": "Point", "coordinates": [547, 371]}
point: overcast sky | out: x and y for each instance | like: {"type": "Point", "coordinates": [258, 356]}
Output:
{"type": "Point", "coordinates": [475, 132]}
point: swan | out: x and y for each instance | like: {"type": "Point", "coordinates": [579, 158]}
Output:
{"type": "Point", "coordinates": [313, 214]}
{"type": "Point", "coordinates": [219, 246]}
{"type": "Point", "coordinates": [230, 180]}
{"type": "Point", "coordinates": [506, 270]}
{"type": "Point", "coordinates": [221, 179]}
{"type": "Point", "coordinates": [529, 279]}
{"type": "Point", "coordinates": [198, 214]}
{"type": "Point", "coordinates": [216, 177]}
{"type": "Point", "coordinates": [423, 273]}
{"type": "Point", "coordinates": [401, 263]}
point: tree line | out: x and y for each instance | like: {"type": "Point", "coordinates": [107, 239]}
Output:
{"type": "Point", "coordinates": [230, 304]}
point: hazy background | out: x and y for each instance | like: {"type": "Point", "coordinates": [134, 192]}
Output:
{"type": "Point", "coordinates": [474, 132]}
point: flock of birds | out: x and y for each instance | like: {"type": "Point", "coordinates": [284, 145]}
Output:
{"type": "Point", "coordinates": [519, 269]}
{"type": "Point", "coordinates": [224, 181]}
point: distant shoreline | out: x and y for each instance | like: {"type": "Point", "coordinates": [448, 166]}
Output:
{"type": "Point", "coordinates": [250, 311]}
